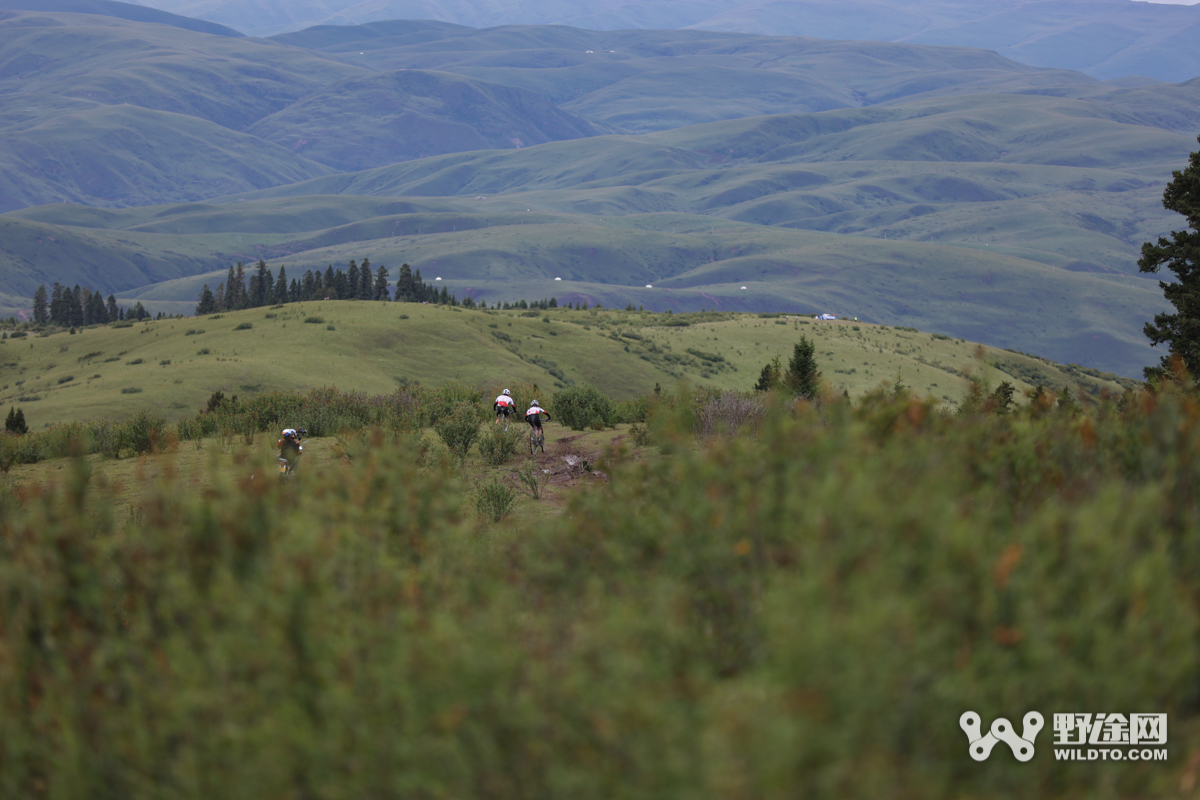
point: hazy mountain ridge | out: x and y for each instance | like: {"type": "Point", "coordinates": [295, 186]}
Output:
{"type": "Point", "coordinates": [1104, 38]}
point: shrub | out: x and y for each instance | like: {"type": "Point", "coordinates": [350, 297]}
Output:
{"type": "Point", "coordinates": [131, 390]}
{"type": "Point", "coordinates": [498, 445]}
{"type": "Point", "coordinates": [164, 362]}
{"type": "Point", "coordinates": [635, 410]}
{"type": "Point", "coordinates": [729, 413]}
{"type": "Point", "coordinates": [18, 335]}
{"type": "Point", "coordinates": [582, 407]}
{"type": "Point", "coordinates": [494, 500]}
{"type": "Point", "coordinates": [203, 351]}
{"type": "Point", "coordinates": [243, 326]}
{"type": "Point", "coordinates": [533, 479]}
{"type": "Point", "coordinates": [640, 435]}
{"type": "Point", "coordinates": [459, 429]}
{"type": "Point", "coordinates": [142, 433]}
{"type": "Point", "coordinates": [65, 379]}
{"type": "Point", "coordinates": [315, 320]}
{"type": "Point", "coordinates": [135, 362]}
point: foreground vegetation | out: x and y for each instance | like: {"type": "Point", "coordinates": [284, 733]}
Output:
{"type": "Point", "coordinates": [804, 608]}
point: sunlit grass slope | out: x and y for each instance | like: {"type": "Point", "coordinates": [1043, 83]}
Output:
{"type": "Point", "coordinates": [172, 366]}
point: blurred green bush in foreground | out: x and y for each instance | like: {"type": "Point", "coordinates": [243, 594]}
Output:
{"type": "Point", "coordinates": [804, 611]}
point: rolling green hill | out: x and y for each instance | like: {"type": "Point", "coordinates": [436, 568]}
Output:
{"type": "Point", "coordinates": [1033, 250]}
{"type": "Point", "coordinates": [640, 81]}
{"type": "Point", "coordinates": [125, 155]}
{"type": "Point", "coordinates": [110, 8]}
{"type": "Point", "coordinates": [398, 116]}
{"type": "Point", "coordinates": [100, 60]}
{"type": "Point", "coordinates": [172, 366]}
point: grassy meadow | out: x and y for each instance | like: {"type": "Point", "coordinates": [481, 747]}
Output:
{"type": "Point", "coordinates": [172, 366]}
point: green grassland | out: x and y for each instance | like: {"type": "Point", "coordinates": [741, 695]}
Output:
{"type": "Point", "coordinates": [172, 366]}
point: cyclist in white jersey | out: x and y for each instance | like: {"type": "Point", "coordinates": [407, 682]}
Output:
{"type": "Point", "coordinates": [534, 416]}
{"type": "Point", "coordinates": [504, 405]}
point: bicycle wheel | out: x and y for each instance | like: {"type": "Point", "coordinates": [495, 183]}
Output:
{"type": "Point", "coordinates": [542, 441]}
{"type": "Point", "coordinates": [532, 443]}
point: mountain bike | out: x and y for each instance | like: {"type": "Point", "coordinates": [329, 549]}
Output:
{"type": "Point", "coordinates": [537, 440]}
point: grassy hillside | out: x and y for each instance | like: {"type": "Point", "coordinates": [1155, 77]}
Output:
{"type": "Point", "coordinates": [398, 116]}
{"type": "Point", "coordinates": [125, 155]}
{"type": "Point", "coordinates": [101, 60]}
{"type": "Point", "coordinates": [110, 8]}
{"type": "Point", "coordinates": [172, 366]}
{"type": "Point", "coordinates": [640, 81]}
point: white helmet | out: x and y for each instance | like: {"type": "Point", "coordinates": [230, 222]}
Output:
{"type": "Point", "coordinates": [536, 403]}
{"type": "Point", "coordinates": [506, 393]}
{"type": "Point", "coordinates": [289, 432]}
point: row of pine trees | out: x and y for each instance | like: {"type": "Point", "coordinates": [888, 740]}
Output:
{"type": "Point", "coordinates": [262, 287]}
{"type": "Point", "coordinates": [80, 307]}
{"type": "Point", "coordinates": [75, 308]}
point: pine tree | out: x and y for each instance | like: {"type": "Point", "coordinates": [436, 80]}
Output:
{"type": "Point", "coordinates": [404, 285]}
{"type": "Point", "coordinates": [111, 308]}
{"type": "Point", "coordinates": [74, 300]}
{"type": "Point", "coordinates": [207, 304]}
{"type": "Point", "coordinates": [139, 312]}
{"type": "Point", "coordinates": [379, 291]}
{"type": "Point", "coordinates": [59, 314]}
{"type": "Point", "coordinates": [15, 423]}
{"type": "Point", "coordinates": [95, 313]}
{"type": "Point", "coordinates": [802, 376]}
{"type": "Point", "coordinates": [240, 296]}
{"type": "Point", "coordinates": [41, 311]}
{"type": "Point", "coordinates": [282, 295]}
{"type": "Point", "coordinates": [329, 287]}
{"type": "Point", "coordinates": [1180, 254]}
{"type": "Point", "coordinates": [352, 281]}
{"type": "Point", "coordinates": [261, 287]}
{"type": "Point", "coordinates": [229, 294]}
{"type": "Point", "coordinates": [294, 292]}
{"type": "Point", "coordinates": [770, 377]}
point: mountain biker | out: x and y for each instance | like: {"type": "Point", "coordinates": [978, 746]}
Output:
{"type": "Point", "coordinates": [534, 416]}
{"type": "Point", "coordinates": [504, 405]}
{"type": "Point", "coordinates": [289, 445]}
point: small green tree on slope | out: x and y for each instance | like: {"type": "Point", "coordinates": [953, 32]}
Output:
{"type": "Point", "coordinates": [1181, 255]}
{"type": "Point", "coordinates": [802, 375]}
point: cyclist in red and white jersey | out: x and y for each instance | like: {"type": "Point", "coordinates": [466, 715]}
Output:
{"type": "Point", "coordinates": [534, 416]}
{"type": "Point", "coordinates": [504, 405]}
